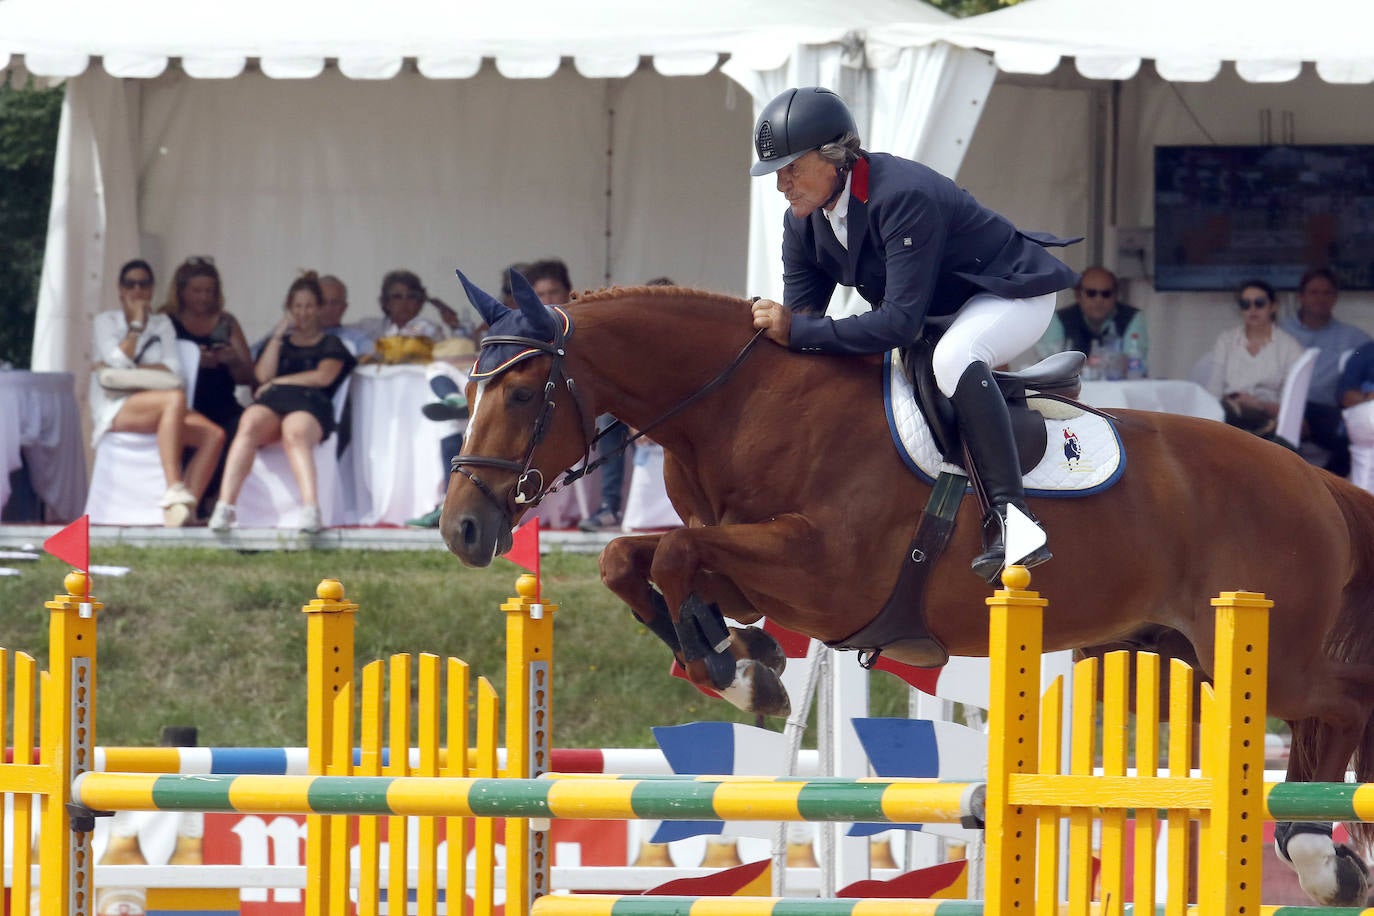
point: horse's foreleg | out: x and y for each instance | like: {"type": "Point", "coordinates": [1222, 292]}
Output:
{"type": "Point", "coordinates": [625, 566]}
{"type": "Point", "coordinates": [709, 650]}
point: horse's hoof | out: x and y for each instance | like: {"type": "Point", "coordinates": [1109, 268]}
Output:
{"type": "Point", "coordinates": [1332, 875]}
{"type": "Point", "coordinates": [757, 689]}
{"type": "Point", "coordinates": [760, 645]}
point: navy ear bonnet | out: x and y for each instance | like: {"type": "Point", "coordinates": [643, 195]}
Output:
{"type": "Point", "coordinates": [515, 334]}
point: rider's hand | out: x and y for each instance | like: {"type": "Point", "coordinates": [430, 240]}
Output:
{"type": "Point", "coordinates": [774, 319]}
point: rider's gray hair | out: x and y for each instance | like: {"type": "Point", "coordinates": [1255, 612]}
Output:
{"type": "Point", "coordinates": [842, 152]}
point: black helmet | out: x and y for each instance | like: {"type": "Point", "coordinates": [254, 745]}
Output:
{"type": "Point", "coordinates": [795, 123]}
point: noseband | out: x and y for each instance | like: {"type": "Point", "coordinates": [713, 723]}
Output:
{"type": "Point", "coordinates": [528, 476]}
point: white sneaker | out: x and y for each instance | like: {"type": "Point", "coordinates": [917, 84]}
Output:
{"type": "Point", "coordinates": [223, 518]}
{"type": "Point", "coordinates": [177, 495]}
{"type": "Point", "coordinates": [310, 520]}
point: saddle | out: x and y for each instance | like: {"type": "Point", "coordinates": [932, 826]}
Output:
{"type": "Point", "coordinates": [1055, 377]}
{"type": "Point", "coordinates": [900, 629]}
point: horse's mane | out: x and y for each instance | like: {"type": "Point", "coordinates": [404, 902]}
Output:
{"type": "Point", "coordinates": [664, 292]}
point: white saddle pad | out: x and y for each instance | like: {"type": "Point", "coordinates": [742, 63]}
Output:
{"type": "Point", "coordinates": [1084, 454]}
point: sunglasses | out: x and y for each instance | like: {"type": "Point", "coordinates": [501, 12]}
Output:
{"type": "Point", "coordinates": [1248, 304]}
{"type": "Point", "coordinates": [1094, 293]}
{"type": "Point", "coordinates": [136, 284]}
{"type": "Point", "coordinates": [201, 261]}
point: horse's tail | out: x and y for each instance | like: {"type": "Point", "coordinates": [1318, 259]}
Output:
{"type": "Point", "coordinates": [1351, 638]}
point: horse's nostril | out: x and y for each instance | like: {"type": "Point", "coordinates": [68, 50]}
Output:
{"type": "Point", "coordinates": [467, 530]}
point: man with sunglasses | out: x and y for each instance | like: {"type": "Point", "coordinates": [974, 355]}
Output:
{"type": "Point", "coordinates": [1096, 317]}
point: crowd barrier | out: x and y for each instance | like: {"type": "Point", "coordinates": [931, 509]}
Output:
{"type": "Point", "coordinates": [1031, 794]}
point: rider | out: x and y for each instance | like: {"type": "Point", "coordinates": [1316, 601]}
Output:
{"type": "Point", "coordinates": [920, 250]}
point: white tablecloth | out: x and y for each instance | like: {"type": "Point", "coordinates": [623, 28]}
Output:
{"type": "Point", "coordinates": [38, 415]}
{"type": "Point", "coordinates": [398, 469]}
{"type": "Point", "coordinates": [1165, 394]}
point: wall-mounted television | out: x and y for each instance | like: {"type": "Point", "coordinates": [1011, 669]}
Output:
{"type": "Point", "coordinates": [1225, 214]}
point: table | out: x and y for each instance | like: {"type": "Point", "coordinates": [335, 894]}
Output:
{"type": "Point", "coordinates": [40, 421]}
{"type": "Point", "coordinates": [398, 471]}
{"type": "Point", "coordinates": [1164, 394]}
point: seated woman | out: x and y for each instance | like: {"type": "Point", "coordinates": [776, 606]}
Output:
{"type": "Point", "coordinates": [131, 337]}
{"type": "Point", "coordinates": [195, 303]}
{"type": "Point", "coordinates": [1250, 362]}
{"type": "Point", "coordinates": [298, 372]}
{"type": "Point", "coordinates": [401, 299]}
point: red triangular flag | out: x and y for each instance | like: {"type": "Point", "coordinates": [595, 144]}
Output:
{"type": "Point", "coordinates": [72, 544]}
{"type": "Point", "coordinates": [924, 883]}
{"type": "Point", "coordinates": [524, 546]}
{"type": "Point", "coordinates": [751, 880]}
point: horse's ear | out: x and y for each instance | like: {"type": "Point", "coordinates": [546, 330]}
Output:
{"type": "Point", "coordinates": [490, 309]}
{"type": "Point", "coordinates": [531, 306]}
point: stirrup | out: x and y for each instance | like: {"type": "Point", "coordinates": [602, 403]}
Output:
{"type": "Point", "coordinates": [988, 564]}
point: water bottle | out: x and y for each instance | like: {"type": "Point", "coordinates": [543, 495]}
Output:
{"type": "Point", "coordinates": [1135, 357]}
{"type": "Point", "coordinates": [1113, 362]}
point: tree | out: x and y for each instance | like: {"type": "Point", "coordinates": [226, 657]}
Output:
{"type": "Point", "coordinates": [971, 7]}
{"type": "Point", "coordinates": [28, 141]}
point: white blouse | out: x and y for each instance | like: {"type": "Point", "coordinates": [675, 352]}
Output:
{"type": "Point", "coordinates": [1262, 374]}
{"type": "Point", "coordinates": [157, 345]}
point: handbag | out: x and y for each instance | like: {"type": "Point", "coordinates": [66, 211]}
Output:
{"type": "Point", "coordinates": [125, 381]}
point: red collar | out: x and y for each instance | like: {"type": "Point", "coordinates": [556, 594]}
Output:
{"type": "Point", "coordinates": [858, 184]}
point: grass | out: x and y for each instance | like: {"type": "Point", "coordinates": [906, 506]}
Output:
{"type": "Point", "coordinates": [216, 639]}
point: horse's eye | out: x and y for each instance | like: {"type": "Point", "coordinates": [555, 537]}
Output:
{"type": "Point", "coordinates": [522, 395]}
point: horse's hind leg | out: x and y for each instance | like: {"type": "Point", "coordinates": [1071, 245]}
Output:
{"type": "Point", "coordinates": [1323, 744]}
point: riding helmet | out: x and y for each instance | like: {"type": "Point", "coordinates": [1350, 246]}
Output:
{"type": "Point", "coordinates": [795, 123]}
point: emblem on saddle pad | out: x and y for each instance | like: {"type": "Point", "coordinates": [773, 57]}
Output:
{"type": "Point", "coordinates": [1092, 458]}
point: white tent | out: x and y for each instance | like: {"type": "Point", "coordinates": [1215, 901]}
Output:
{"type": "Point", "coordinates": [353, 138]}
{"type": "Point", "coordinates": [1088, 88]}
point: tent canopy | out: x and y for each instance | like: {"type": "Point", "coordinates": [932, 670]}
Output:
{"type": "Point", "coordinates": [1268, 40]}
{"type": "Point", "coordinates": [446, 39]}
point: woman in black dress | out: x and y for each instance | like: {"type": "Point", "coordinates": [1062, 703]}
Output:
{"type": "Point", "coordinates": [195, 303]}
{"type": "Point", "coordinates": [298, 372]}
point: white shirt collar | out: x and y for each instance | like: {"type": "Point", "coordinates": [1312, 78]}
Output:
{"type": "Point", "coordinates": [841, 209]}
{"type": "Point", "coordinates": [839, 215]}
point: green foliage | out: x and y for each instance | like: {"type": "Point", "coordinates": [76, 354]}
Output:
{"type": "Point", "coordinates": [216, 639]}
{"type": "Point", "coordinates": [971, 7]}
{"type": "Point", "coordinates": [28, 142]}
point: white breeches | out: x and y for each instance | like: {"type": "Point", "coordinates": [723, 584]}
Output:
{"type": "Point", "coordinates": [992, 330]}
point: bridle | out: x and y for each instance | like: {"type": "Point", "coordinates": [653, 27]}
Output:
{"type": "Point", "coordinates": [527, 474]}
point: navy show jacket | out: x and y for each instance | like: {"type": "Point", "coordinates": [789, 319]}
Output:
{"type": "Point", "coordinates": [919, 245]}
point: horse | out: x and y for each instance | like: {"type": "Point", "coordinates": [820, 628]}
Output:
{"type": "Point", "coordinates": [798, 508]}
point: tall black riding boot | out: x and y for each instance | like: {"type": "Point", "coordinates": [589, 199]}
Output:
{"type": "Point", "coordinates": [986, 429]}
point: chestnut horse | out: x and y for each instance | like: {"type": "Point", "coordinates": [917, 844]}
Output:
{"type": "Point", "coordinates": [799, 508]}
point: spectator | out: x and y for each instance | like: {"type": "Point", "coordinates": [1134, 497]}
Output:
{"type": "Point", "coordinates": [1250, 362]}
{"type": "Point", "coordinates": [195, 303]}
{"type": "Point", "coordinates": [1357, 397]}
{"type": "Point", "coordinates": [1096, 317]}
{"type": "Point", "coordinates": [132, 336]}
{"type": "Point", "coordinates": [402, 297]}
{"type": "Point", "coordinates": [448, 378]}
{"type": "Point", "coordinates": [332, 312]}
{"type": "Point", "coordinates": [1314, 326]}
{"type": "Point", "coordinates": [612, 449]}
{"type": "Point", "coordinates": [298, 373]}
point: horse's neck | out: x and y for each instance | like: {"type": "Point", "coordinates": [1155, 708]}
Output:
{"type": "Point", "coordinates": [646, 356]}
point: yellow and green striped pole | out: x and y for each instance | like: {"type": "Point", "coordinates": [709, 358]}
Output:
{"type": "Point", "coordinates": [664, 798]}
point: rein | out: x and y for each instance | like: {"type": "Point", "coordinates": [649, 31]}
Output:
{"type": "Point", "coordinates": [527, 474]}
{"type": "Point", "coordinates": [573, 474]}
